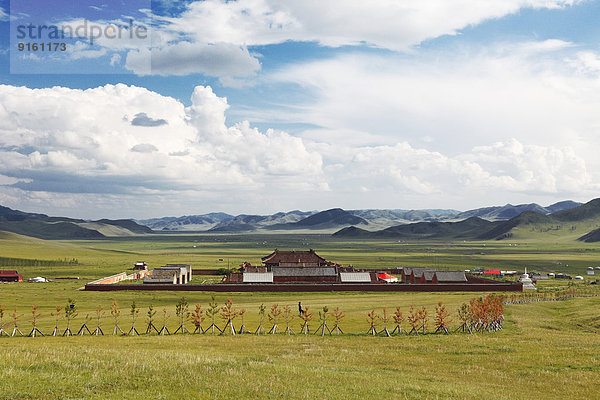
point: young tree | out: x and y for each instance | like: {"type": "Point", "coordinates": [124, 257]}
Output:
{"type": "Point", "coordinates": [164, 328]}
{"type": "Point", "coordinates": [465, 316]}
{"type": "Point", "coordinates": [150, 319]}
{"type": "Point", "coordinates": [496, 309]}
{"type": "Point", "coordinates": [288, 317]}
{"type": "Point", "coordinates": [34, 317]}
{"type": "Point", "coordinates": [273, 315]}
{"type": "Point", "coordinates": [243, 328]}
{"type": "Point", "coordinates": [385, 319]}
{"type": "Point", "coordinates": [306, 317]}
{"type": "Point", "coordinates": [413, 319]}
{"type": "Point", "coordinates": [212, 311]}
{"type": "Point", "coordinates": [2, 331]}
{"type": "Point", "coordinates": [99, 313]}
{"type": "Point", "coordinates": [261, 316]}
{"type": "Point", "coordinates": [134, 311]}
{"type": "Point", "coordinates": [372, 318]}
{"type": "Point", "coordinates": [441, 318]}
{"type": "Point", "coordinates": [70, 313]}
{"type": "Point", "coordinates": [338, 316]}
{"type": "Point", "coordinates": [198, 318]}
{"type": "Point", "coordinates": [478, 310]}
{"type": "Point", "coordinates": [228, 314]}
{"type": "Point", "coordinates": [84, 327]}
{"type": "Point", "coordinates": [323, 318]}
{"type": "Point", "coordinates": [487, 313]}
{"type": "Point", "coordinates": [115, 312]}
{"type": "Point", "coordinates": [15, 318]}
{"type": "Point", "coordinates": [56, 331]}
{"type": "Point", "coordinates": [398, 319]}
{"type": "Point", "coordinates": [181, 310]}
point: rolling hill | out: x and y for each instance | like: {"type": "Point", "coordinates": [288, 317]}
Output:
{"type": "Point", "coordinates": [565, 218]}
{"type": "Point", "coordinates": [591, 237]}
{"type": "Point", "coordinates": [248, 223]}
{"type": "Point", "coordinates": [45, 227]}
{"type": "Point", "coordinates": [508, 211]}
{"type": "Point", "coordinates": [7, 214]}
{"type": "Point", "coordinates": [329, 218]}
{"type": "Point", "coordinates": [293, 221]}
{"type": "Point", "coordinates": [337, 218]}
{"type": "Point", "coordinates": [187, 222]}
{"type": "Point", "coordinates": [566, 224]}
{"type": "Point", "coordinates": [466, 229]}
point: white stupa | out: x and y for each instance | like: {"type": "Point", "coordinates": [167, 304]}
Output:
{"type": "Point", "coordinates": [526, 281]}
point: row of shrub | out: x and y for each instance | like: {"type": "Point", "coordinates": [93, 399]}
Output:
{"type": "Point", "coordinates": [564, 294]}
{"type": "Point", "coordinates": [26, 262]}
{"type": "Point", "coordinates": [481, 314]}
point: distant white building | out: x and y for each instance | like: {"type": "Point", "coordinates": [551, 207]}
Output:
{"type": "Point", "coordinates": [526, 281]}
{"type": "Point", "coordinates": [38, 279]}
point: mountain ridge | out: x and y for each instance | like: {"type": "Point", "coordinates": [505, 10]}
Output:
{"type": "Point", "coordinates": [475, 228]}
{"type": "Point", "coordinates": [373, 219]}
{"type": "Point", "coordinates": [44, 227]}
{"type": "Point", "coordinates": [482, 224]}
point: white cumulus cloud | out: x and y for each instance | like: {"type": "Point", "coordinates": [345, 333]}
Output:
{"type": "Point", "coordinates": [79, 141]}
{"type": "Point", "coordinates": [452, 102]}
{"type": "Point", "coordinates": [212, 36]}
{"type": "Point", "coordinates": [387, 24]}
{"type": "Point", "coordinates": [65, 149]}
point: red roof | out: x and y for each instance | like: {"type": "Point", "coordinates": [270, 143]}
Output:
{"type": "Point", "coordinates": [300, 257]}
{"type": "Point", "coordinates": [8, 273]}
{"type": "Point", "coordinates": [493, 272]}
{"type": "Point", "coordinates": [385, 276]}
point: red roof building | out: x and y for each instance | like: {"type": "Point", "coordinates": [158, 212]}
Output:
{"type": "Point", "coordinates": [289, 267]}
{"type": "Point", "coordinates": [492, 272]}
{"type": "Point", "coordinates": [387, 277]}
{"type": "Point", "coordinates": [294, 259]}
{"type": "Point", "coordinates": [141, 266]}
{"type": "Point", "coordinates": [10, 276]}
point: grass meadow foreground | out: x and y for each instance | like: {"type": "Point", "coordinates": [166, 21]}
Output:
{"type": "Point", "coordinates": [545, 350]}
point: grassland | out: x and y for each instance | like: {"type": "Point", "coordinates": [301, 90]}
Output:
{"type": "Point", "coordinates": [549, 349]}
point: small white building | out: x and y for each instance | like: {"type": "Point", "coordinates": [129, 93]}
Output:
{"type": "Point", "coordinates": [526, 281]}
{"type": "Point", "coordinates": [38, 279]}
{"type": "Point", "coordinates": [387, 277]}
{"type": "Point", "coordinates": [257, 277]}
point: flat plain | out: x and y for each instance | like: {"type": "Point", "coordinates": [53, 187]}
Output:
{"type": "Point", "coordinates": [546, 349]}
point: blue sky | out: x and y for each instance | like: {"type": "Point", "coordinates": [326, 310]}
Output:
{"type": "Point", "coordinates": [271, 106]}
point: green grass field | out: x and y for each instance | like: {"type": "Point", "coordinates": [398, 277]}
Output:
{"type": "Point", "coordinates": [547, 349]}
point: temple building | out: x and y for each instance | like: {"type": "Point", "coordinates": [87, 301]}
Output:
{"type": "Point", "coordinates": [298, 259]}
{"type": "Point", "coordinates": [299, 267]}
{"type": "Point", "coordinates": [307, 267]}
{"type": "Point", "coordinates": [296, 267]}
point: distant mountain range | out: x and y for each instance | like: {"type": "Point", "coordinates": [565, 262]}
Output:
{"type": "Point", "coordinates": [481, 224]}
{"type": "Point", "coordinates": [566, 222]}
{"type": "Point", "coordinates": [45, 227]}
{"type": "Point", "coordinates": [336, 218]}
{"type": "Point", "coordinates": [187, 222]}
{"type": "Point", "coordinates": [509, 211]}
